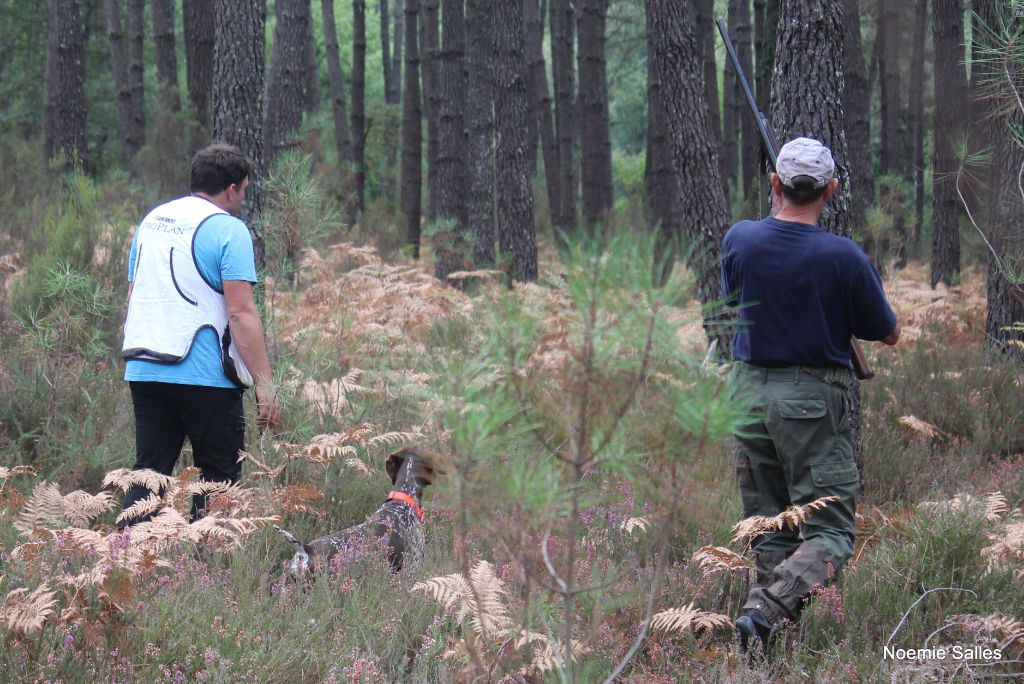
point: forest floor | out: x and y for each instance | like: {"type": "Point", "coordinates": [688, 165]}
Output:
{"type": "Point", "coordinates": [376, 354]}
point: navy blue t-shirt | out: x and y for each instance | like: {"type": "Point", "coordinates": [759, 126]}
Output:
{"type": "Point", "coordinates": [802, 293]}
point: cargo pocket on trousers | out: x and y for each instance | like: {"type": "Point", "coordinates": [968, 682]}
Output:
{"type": "Point", "coordinates": [831, 475]}
{"type": "Point", "coordinates": [798, 426]}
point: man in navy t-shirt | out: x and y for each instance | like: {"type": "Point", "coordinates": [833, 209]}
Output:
{"type": "Point", "coordinates": [801, 294]}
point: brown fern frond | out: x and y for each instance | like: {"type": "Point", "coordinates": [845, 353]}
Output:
{"type": "Point", "coordinates": [919, 428]}
{"type": "Point", "coordinates": [45, 508]}
{"type": "Point", "coordinates": [992, 506]}
{"type": "Point", "coordinates": [141, 508]}
{"type": "Point", "coordinates": [25, 613]}
{"type": "Point", "coordinates": [485, 604]}
{"type": "Point", "coordinates": [714, 559]}
{"type": "Point", "coordinates": [125, 479]}
{"type": "Point", "coordinates": [996, 624]}
{"type": "Point", "coordinates": [359, 466]}
{"type": "Point", "coordinates": [1005, 549]}
{"type": "Point", "coordinates": [550, 654]}
{"type": "Point", "coordinates": [688, 617]}
{"type": "Point", "coordinates": [81, 507]}
{"type": "Point", "coordinates": [391, 440]}
{"type": "Point", "coordinates": [8, 473]}
{"type": "Point", "coordinates": [794, 516]}
{"type": "Point", "coordinates": [298, 498]}
{"type": "Point", "coordinates": [448, 590]}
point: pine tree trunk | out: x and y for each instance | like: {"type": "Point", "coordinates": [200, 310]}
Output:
{"type": "Point", "coordinates": [533, 27]}
{"type": "Point", "coordinates": [951, 92]}
{"type": "Point", "coordinates": [676, 55]}
{"type": "Point", "coordinates": [888, 68]}
{"type": "Point", "coordinates": [396, 51]}
{"type": "Point", "coordinates": [311, 68]}
{"type": "Point", "coordinates": [432, 96]}
{"type": "Point", "coordinates": [451, 243]}
{"type": "Point", "coordinates": [480, 131]}
{"type": "Point", "coordinates": [390, 87]}
{"type": "Point", "coordinates": [562, 42]}
{"type": "Point", "coordinates": [1005, 290]}
{"type": "Point", "coordinates": [119, 64]}
{"type": "Point", "coordinates": [661, 189]}
{"type": "Point", "coordinates": [342, 138]}
{"type": "Point", "coordinates": [199, 25]}
{"type": "Point", "coordinates": [166, 53]}
{"type": "Point", "coordinates": [238, 57]}
{"type": "Point", "coordinates": [358, 106]}
{"type": "Point", "coordinates": [807, 100]}
{"type": "Point", "coordinates": [917, 78]}
{"type": "Point", "coordinates": [730, 121]}
{"type": "Point", "coordinates": [136, 73]}
{"type": "Point", "coordinates": [858, 112]}
{"type": "Point", "coordinates": [750, 148]}
{"type": "Point", "coordinates": [540, 97]}
{"type": "Point", "coordinates": [769, 28]}
{"type": "Point", "coordinates": [516, 231]}
{"type": "Point", "coordinates": [412, 132]}
{"type": "Point", "coordinates": [592, 105]}
{"type": "Point", "coordinates": [283, 101]}
{"type": "Point", "coordinates": [51, 87]}
{"type": "Point", "coordinates": [66, 73]}
{"type": "Point", "coordinates": [707, 35]}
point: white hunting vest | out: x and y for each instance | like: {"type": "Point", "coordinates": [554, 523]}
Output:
{"type": "Point", "coordinates": [171, 301]}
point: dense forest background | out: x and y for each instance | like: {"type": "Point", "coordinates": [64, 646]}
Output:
{"type": "Point", "coordinates": [493, 228]}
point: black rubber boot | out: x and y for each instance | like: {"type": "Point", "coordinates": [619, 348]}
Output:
{"type": "Point", "coordinates": [752, 624]}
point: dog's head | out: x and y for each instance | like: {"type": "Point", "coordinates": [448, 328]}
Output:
{"type": "Point", "coordinates": [415, 462]}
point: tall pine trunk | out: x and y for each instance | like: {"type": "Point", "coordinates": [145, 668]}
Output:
{"type": "Point", "coordinates": [541, 99]}
{"type": "Point", "coordinates": [199, 25]}
{"type": "Point", "coordinates": [950, 115]}
{"type": "Point", "coordinates": [917, 79]}
{"type": "Point", "coordinates": [311, 68]}
{"type": "Point", "coordinates": [592, 105]}
{"type": "Point", "coordinates": [238, 57]}
{"type": "Point", "coordinates": [119, 64]}
{"type": "Point", "coordinates": [136, 70]}
{"type": "Point", "coordinates": [888, 35]}
{"type": "Point", "coordinates": [432, 96]}
{"type": "Point", "coordinates": [451, 247]}
{"type": "Point", "coordinates": [166, 53]}
{"type": "Point", "coordinates": [412, 133]}
{"type": "Point", "coordinates": [390, 86]}
{"type": "Point", "coordinates": [707, 35]}
{"type": "Point", "coordinates": [396, 51]}
{"type": "Point", "coordinates": [339, 110]}
{"type": "Point", "coordinates": [562, 46]}
{"type": "Point", "coordinates": [516, 231]}
{"type": "Point", "coordinates": [65, 88]}
{"type": "Point", "coordinates": [750, 147]}
{"type": "Point", "coordinates": [858, 112]}
{"type": "Point", "coordinates": [283, 101]}
{"type": "Point", "coordinates": [672, 46]}
{"type": "Point", "coordinates": [730, 120]}
{"type": "Point", "coordinates": [358, 107]}
{"type": "Point", "coordinates": [479, 114]}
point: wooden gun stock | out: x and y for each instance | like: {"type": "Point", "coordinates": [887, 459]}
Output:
{"type": "Point", "coordinates": [861, 368]}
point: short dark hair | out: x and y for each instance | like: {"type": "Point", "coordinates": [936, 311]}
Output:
{"type": "Point", "coordinates": [803, 191]}
{"type": "Point", "coordinates": [217, 167]}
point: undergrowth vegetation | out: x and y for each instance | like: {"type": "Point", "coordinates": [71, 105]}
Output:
{"type": "Point", "coordinates": [585, 525]}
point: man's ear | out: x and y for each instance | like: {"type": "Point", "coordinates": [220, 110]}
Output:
{"type": "Point", "coordinates": [394, 464]}
{"type": "Point", "coordinates": [833, 187]}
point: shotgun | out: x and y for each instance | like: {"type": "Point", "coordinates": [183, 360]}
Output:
{"type": "Point", "coordinates": [861, 368]}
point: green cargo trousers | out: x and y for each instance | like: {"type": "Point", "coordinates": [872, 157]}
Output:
{"type": "Point", "coordinates": [799, 450]}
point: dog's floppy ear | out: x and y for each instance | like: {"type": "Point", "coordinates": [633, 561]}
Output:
{"type": "Point", "coordinates": [394, 464]}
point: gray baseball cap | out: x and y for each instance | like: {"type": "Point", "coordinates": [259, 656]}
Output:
{"type": "Point", "coordinates": [805, 157]}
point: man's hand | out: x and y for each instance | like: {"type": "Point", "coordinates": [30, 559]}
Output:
{"type": "Point", "coordinates": [893, 337]}
{"type": "Point", "coordinates": [268, 408]}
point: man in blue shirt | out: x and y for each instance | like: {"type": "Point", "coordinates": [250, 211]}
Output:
{"type": "Point", "coordinates": [801, 294]}
{"type": "Point", "coordinates": [193, 336]}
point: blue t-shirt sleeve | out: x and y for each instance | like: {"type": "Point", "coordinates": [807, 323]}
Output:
{"type": "Point", "coordinates": [872, 317]}
{"type": "Point", "coordinates": [223, 250]}
{"type": "Point", "coordinates": [133, 255]}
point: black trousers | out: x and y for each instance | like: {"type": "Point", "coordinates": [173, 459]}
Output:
{"type": "Point", "coordinates": [211, 417]}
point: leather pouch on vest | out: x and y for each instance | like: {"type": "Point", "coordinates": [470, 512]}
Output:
{"type": "Point", "coordinates": [233, 366]}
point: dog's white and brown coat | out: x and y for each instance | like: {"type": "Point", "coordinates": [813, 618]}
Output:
{"type": "Point", "coordinates": [399, 519]}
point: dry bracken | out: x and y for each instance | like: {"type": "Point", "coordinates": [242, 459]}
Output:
{"type": "Point", "coordinates": [750, 528]}
{"type": "Point", "coordinates": [688, 617]}
{"type": "Point", "coordinates": [714, 559]}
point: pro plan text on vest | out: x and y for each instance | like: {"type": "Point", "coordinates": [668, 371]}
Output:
{"type": "Point", "coordinates": [171, 301]}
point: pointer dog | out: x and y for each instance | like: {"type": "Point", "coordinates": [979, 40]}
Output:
{"type": "Point", "coordinates": [399, 518]}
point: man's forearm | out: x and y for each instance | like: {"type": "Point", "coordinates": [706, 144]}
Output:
{"type": "Point", "coordinates": [247, 333]}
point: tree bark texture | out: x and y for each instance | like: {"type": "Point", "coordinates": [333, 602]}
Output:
{"type": "Point", "coordinates": [768, 27]}
{"type": "Point", "coordinates": [67, 97]}
{"type": "Point", "coordinates": [592, 105]}
{"type": "Point", "coordinates": [917, 113]}
{"type": "Point", "coordinates": [283, 102]}
{"type": "Point", "coordinates": [199, 39]}
{"type": "Point", "coordinates": [119, 65]}
{"type": "Point", "coordinates": [750, 146]}
{"type": "Point", "coordinates": [541, 99]}
{"type": "Point", "coordinates": [358, 106]}
{"type": "Point", "coordinates": [807, 91]}
{"type": "Point", "coordinates": [390, 87]}
{"type": "Point", "coordinates": [563, 25]}
{"type": "Point", "coordinates": [675, 52]}
{"type": "Point", "coordinates": [661, 188]}
{"type": "Point", "coordinates": [238, 57]}
{"type": "Point", "coordinates": [516, 231]}
{"type": "Point", "coordinates": [342, 138]}
{"type": "Point", "coordinates": [166, 54]}
{"type": "Point", "coordinates": [451, 245]}
{"type": "Point", "coordinates": [730, 118]}
{"type": "Point", "coordinates": [432, 95]}
{"type": "Point", "coordinates": [51, 87]}
{"type": "Point", "coordinates": [136, 67]}
{"type": "Point", "coordinates": [951, 92]}
{"type": "Point", "coordinates": [888, 35]}
{"type": "Point", "coordinates": [396, 50]}
{"type": "Point", "coordinates": [1005, 292]}
{"type": "Point", "coordinates": [412, 132]}
{"type": "Point", "coordinates": [311, 82]}
{"type": "Point", "coordinates": [479, 120]}
{"type": "Point", "coordinates": [707, 36]}
{"type": "Point", "coordinates": [858, 112]}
